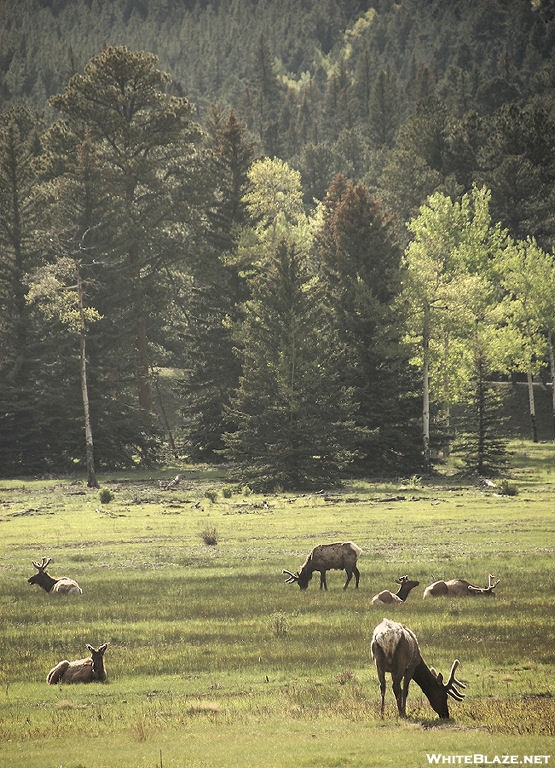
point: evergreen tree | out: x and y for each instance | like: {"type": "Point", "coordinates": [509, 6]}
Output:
{"type": "Point", "coordinates": [217, 289]}
{"type": "Point", "coordinates": [480, 439]}
{"type": "Point", "coordinates": [264, 99]}
{"type": "Point", "coordinates": [517, 163]}
{"type": "Point", "coordinates": [384, 109]}
{"type": "Point", "coordinates": [293, 415]}
{"type": "Point", "coordinates": [20, 437]}
{"type": "Point", "coordinates": [144, 140]}
{"type": "Point", "coordinates": [360, 263]}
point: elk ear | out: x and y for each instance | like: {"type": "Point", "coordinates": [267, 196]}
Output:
{"type": "Point", "coordinates": [91, 649]}
{"type": "Point", "coordinates": [102, 647]}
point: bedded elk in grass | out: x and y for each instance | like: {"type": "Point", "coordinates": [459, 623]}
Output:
{"type": "Point", "coordinates": [385, 597]}
{"type": "Point", "coordinates": [341, 556]}
{"type": "Point", "coordinates": [395, 650]}
{"type": "Point", "coordinates": [82, 670]}
{"type": "Point", "coordinates": [460, 588]}
{"type": "Point", "coordinates": [62, 586]}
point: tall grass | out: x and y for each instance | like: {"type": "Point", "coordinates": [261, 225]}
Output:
{"type": "Point", "coordinates": [207, 643]}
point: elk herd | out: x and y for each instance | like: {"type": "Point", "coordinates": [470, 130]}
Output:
{"type": "Point", "coordinates": [394, 647]}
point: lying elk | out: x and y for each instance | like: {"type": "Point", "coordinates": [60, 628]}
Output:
{"type": "Point", "coordinates": [62, 586]}
{"type": "Point", "coordinates": [328, 557]}
{"type": "Point", "coordinates": [80, 671]}
{"type": "Point", "coordinates": [459, 588]}
{"type": "Point", "coordinates": [385, 597]}
{"type": "Point", "coordinates": [395, 650]}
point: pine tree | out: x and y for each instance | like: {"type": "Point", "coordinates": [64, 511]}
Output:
{"type": "Point", "coordinates": [144, 140]}
{"type": "Point", "coordinates": [264, 99]}
{"type": "Point", "coordinates": [19, 147]}
{"type": "Point", "coordinates": [360, 262]}
{"type": "Point", "coordinates": [293, 415]}
{"type": "Point", "coordinates": [217, 289]}
{"type": "Point", "coordinates": [480, 440]}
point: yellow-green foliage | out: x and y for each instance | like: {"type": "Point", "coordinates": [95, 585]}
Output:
{"type": "Point", "coordinates": [214, 661]}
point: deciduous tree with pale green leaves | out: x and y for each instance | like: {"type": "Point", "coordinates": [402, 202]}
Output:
{"type": "Point", "coordinates": [448, 293]}
{"type": "Point", "coordinates": [527, 275]}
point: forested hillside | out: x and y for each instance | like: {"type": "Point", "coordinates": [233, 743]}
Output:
{"type": "Point", "coordinates": [323, 224]}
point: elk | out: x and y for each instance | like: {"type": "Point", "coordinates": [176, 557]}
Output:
{"type": "Point", "coordinates": [460, 588]}
{"type": "Point", "coordinates": [62, 586]}
{"type": "Point", "coordinates": [385, 597]}
{"type": "Point", "coordinates": [395, 650]}
{"type": "Point", "coordinates": [81, 671]}
{"type": "Point", "coordinates": [341, 556]}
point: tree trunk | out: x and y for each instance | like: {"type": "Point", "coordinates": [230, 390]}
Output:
{"type": "Point", "coordinates": [426, 390]}
{"type": "Point", "coordinates": [552, 371]}
{"type": "Point", "coordinates": [89, 443]}
{"type": "Point", "coordinates": [532, 403]}
{"type": "Point", "coordinates": [141, 343]}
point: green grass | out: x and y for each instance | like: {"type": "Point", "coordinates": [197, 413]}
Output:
{"type": "Point", "coordinates": [214, 661]}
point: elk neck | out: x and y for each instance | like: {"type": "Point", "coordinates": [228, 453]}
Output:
{"type": "Point", "coordinates": [424, 677]}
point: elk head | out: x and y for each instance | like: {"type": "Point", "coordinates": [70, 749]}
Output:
{"type": "Point", "coordinates": [41, 577]}
{"type": "Point", "coordinates": [97, 656]}
{"type": "Point", "coordinates": [438, 693]}
{"type": "Point", "coordinates": [301, 578]}
{"type": "Point", "coordinates": [485, 590]}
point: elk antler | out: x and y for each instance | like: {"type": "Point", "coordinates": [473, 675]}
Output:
{"type": "Point", "coordinates": [292, 577]}
{"type": "Point", "coordinates": [43, 564]}
{"type": "Point", "coordinates": [484, 590]}
{"type": "Point", "coordinates": [452, 682]}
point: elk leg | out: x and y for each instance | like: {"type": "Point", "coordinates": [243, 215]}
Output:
{"type": "Point", "coordinates": [349, 577]}
{"type": "Point", "coordinates": [399, 696]}
{"type": "Point", "coordinates": [323, 584]}
{"type": "Point", "coordinates": [357, 576]}
{"type": "Point", "coordinates": [405, 693]}
{"type": "Point", "coordinates": [381, 678]}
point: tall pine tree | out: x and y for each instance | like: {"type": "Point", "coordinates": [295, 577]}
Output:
{"type": "Point", "coordinates": [216, 290]}
{"type": "Point", "coordinates": [294, 416]}
{"type": "Point", "coordinates": [20, 435]}
{"type": "Point", "coordinates": [360, 262]}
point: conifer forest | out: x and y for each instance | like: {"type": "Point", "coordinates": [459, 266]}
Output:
{"type": "Point", "coordinates": [307, 239]}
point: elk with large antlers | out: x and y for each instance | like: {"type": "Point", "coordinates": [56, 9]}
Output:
{"type": "Point", "coordinates": [80, 671]}
{"type": "Point", "coordinates": [395, 650]}
{"type": "Point", "coordinates": [385, 597]}
{"type": "Point", "coordinates": [62, 586]}
{"type": "Point", "coordinates": [342, 556]}
{"type": "Point", "coordinates": [460, 588]}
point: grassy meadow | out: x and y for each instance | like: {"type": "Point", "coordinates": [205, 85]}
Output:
{"type": "Point", "coordinates": [213, 661]}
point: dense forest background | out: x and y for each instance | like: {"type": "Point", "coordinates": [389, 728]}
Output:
{"type": "Point", "coordinates": [246, 251]}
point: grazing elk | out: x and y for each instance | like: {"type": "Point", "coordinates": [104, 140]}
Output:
{"type": "Point", "coordinates": [62, 586]}
{"type": "Point", "coordinates": [328, 557]}
{"type": "Point", "coordinates": [80, 671]}
{"type": "Point", "coordinates": [459, 588]}
{"type": "Point", "coordinates": [385, 597]}
{"type": "Point", "coordinates": [395, 650]}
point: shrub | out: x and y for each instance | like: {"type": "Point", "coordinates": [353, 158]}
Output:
{"type": "Point", "coordinates": [507, 488]}
{"type": "Point", "coordinates": [210, 536]}
{"type": "Point", "coordinates": [279, 623]}
{"type": "Point", "coordinates": [212, 495]}
{"type": "Point", "coordinates": [105, 496]}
